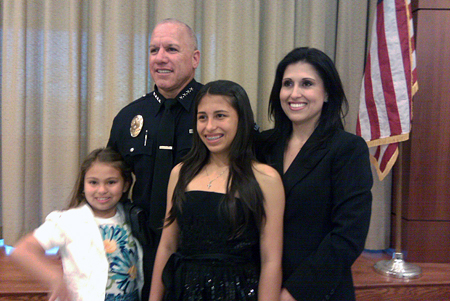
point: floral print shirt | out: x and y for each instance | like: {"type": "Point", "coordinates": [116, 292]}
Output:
{"type": "Point", "coordinates": [122, 254]}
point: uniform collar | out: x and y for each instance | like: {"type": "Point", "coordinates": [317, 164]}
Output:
{"type": "Point", "coordinates": [185, 97]}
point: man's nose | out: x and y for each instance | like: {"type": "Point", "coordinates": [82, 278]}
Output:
{"type": "Point", "coordinates": [161, 56]}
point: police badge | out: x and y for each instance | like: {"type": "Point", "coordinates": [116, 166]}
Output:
{"type": "Point", "coordinates": [136, 125]}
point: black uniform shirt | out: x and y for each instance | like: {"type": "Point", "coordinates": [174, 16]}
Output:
{"type": "Point", "coordinates": [140, 151]}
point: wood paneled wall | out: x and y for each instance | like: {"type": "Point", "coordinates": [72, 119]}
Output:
{"type": "Point", "coordinates": [426, 156]}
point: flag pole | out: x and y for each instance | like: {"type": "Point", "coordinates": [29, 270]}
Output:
{"type": "Point", "coordinates": [399, 200]}
{"type": "Point", "coordinates": [397, 267]}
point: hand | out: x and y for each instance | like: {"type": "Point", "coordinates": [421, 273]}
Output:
{"type": "Point", "coordinates": [60, 291]}
{"type": "Point", "coordinates": [285, 295]}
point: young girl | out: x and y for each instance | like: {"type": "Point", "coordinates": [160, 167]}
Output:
{"type": "Point", "coordinates": [100, 257]}
{"type": "Point", "coordinates": [222, 238]}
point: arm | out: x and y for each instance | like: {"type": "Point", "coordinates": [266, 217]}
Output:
{"type": "Point", "coordinates": [167, 245]}
{"type": "Point", "coordinates": [30, 255]}
{"type": "Point", "coordinates": [271, 238]}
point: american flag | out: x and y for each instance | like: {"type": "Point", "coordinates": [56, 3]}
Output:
{"type": "Point", "coordinates": [388, 85]}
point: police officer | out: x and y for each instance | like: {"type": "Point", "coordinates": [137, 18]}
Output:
{"type": "Point", "coordinates": [139, 130]}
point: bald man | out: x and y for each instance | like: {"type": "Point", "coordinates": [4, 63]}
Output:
{"type": "Point", "coordinates": [174, 56]}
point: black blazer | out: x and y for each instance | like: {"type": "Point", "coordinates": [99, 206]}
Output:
{"type": "Point", "coordinates": [328, 207]}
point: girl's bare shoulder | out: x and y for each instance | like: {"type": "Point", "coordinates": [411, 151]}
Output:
{"type": "Point", "coordinates": [265, 173]}
{"type": "Point", "coordinates": [176, 169]}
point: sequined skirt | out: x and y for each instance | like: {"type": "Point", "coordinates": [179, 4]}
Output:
{"type": "Point", "coordinates": [210, 277]}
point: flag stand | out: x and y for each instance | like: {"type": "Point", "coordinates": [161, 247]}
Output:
{"type": "Point", "coordinates": [397, 267]}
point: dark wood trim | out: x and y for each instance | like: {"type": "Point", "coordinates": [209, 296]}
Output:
{"type": "Point", "coordinates": [430, 4]}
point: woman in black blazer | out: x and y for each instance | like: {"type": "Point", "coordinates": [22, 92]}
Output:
{"type": "Point", "coordinates": [326, 174]}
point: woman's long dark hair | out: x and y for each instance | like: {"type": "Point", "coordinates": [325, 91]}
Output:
{"type": "Point", "coordinates": [241, 180]}
{"type": "Point", "coordinates": [102, 155]}
{"type": "Point", "coordinates": [333, 111]}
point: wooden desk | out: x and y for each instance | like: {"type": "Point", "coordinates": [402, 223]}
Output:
{"type": "Point", "coordinates": [369, 285]}
{"type": "Point", "coordinates": [433, 285]}
{"type": "Point", "coordinates": [17, 285]}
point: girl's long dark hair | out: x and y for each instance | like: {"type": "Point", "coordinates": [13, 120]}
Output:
{"type": "Point", "coordinates": [333, 111]}
{"type": "Point", "coordinates": [241, 180]}
{"type": "Point", "coordinates": [103, 155]}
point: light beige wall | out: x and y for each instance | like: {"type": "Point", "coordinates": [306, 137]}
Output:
{"type": "Point", "coordinates": [68, 66]}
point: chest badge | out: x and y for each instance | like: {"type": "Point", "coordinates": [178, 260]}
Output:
{"type": "Point", "coordinates": [136, 125]}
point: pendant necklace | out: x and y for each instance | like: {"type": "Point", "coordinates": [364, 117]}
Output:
{"type": "Point", "coordinates": [210, 182]}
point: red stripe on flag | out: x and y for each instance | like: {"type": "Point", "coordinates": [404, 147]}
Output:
{"type": "Point", "coordinates": [403, 31]}
{"type": "Point", "coordinates": [370, 102]}
{"type": "Point", "coordinates": [388, 153]}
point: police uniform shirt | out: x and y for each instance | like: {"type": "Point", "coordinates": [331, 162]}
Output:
{"type": "Point", "coordinates": [140, 151]}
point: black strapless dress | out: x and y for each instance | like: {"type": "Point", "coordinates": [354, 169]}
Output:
{"type": "Point", "coordinates": [210, 264]}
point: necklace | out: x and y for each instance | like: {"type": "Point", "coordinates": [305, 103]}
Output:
{"type": "Point", "coordinates": [210, 181]}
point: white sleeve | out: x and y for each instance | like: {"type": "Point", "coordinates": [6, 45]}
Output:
{"type": "Point", "coordinates": [50, 234]}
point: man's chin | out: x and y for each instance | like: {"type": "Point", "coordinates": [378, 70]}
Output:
{"type": "Point", "coordinates": [166, 89]}
{"type": "Point", "coordinates": [163, 81]}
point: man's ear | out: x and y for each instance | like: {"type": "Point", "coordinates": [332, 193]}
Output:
{"type": "Point", "coordinates": [196, 58]}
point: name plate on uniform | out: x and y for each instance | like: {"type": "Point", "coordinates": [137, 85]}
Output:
{"type": "Point", "coordinates": [166, 147]}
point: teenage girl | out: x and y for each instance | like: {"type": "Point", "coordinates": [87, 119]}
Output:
{"type": "Point", "coordinates": [222, 238]}
{"type": "Point", "coordinates": [101, 259]}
